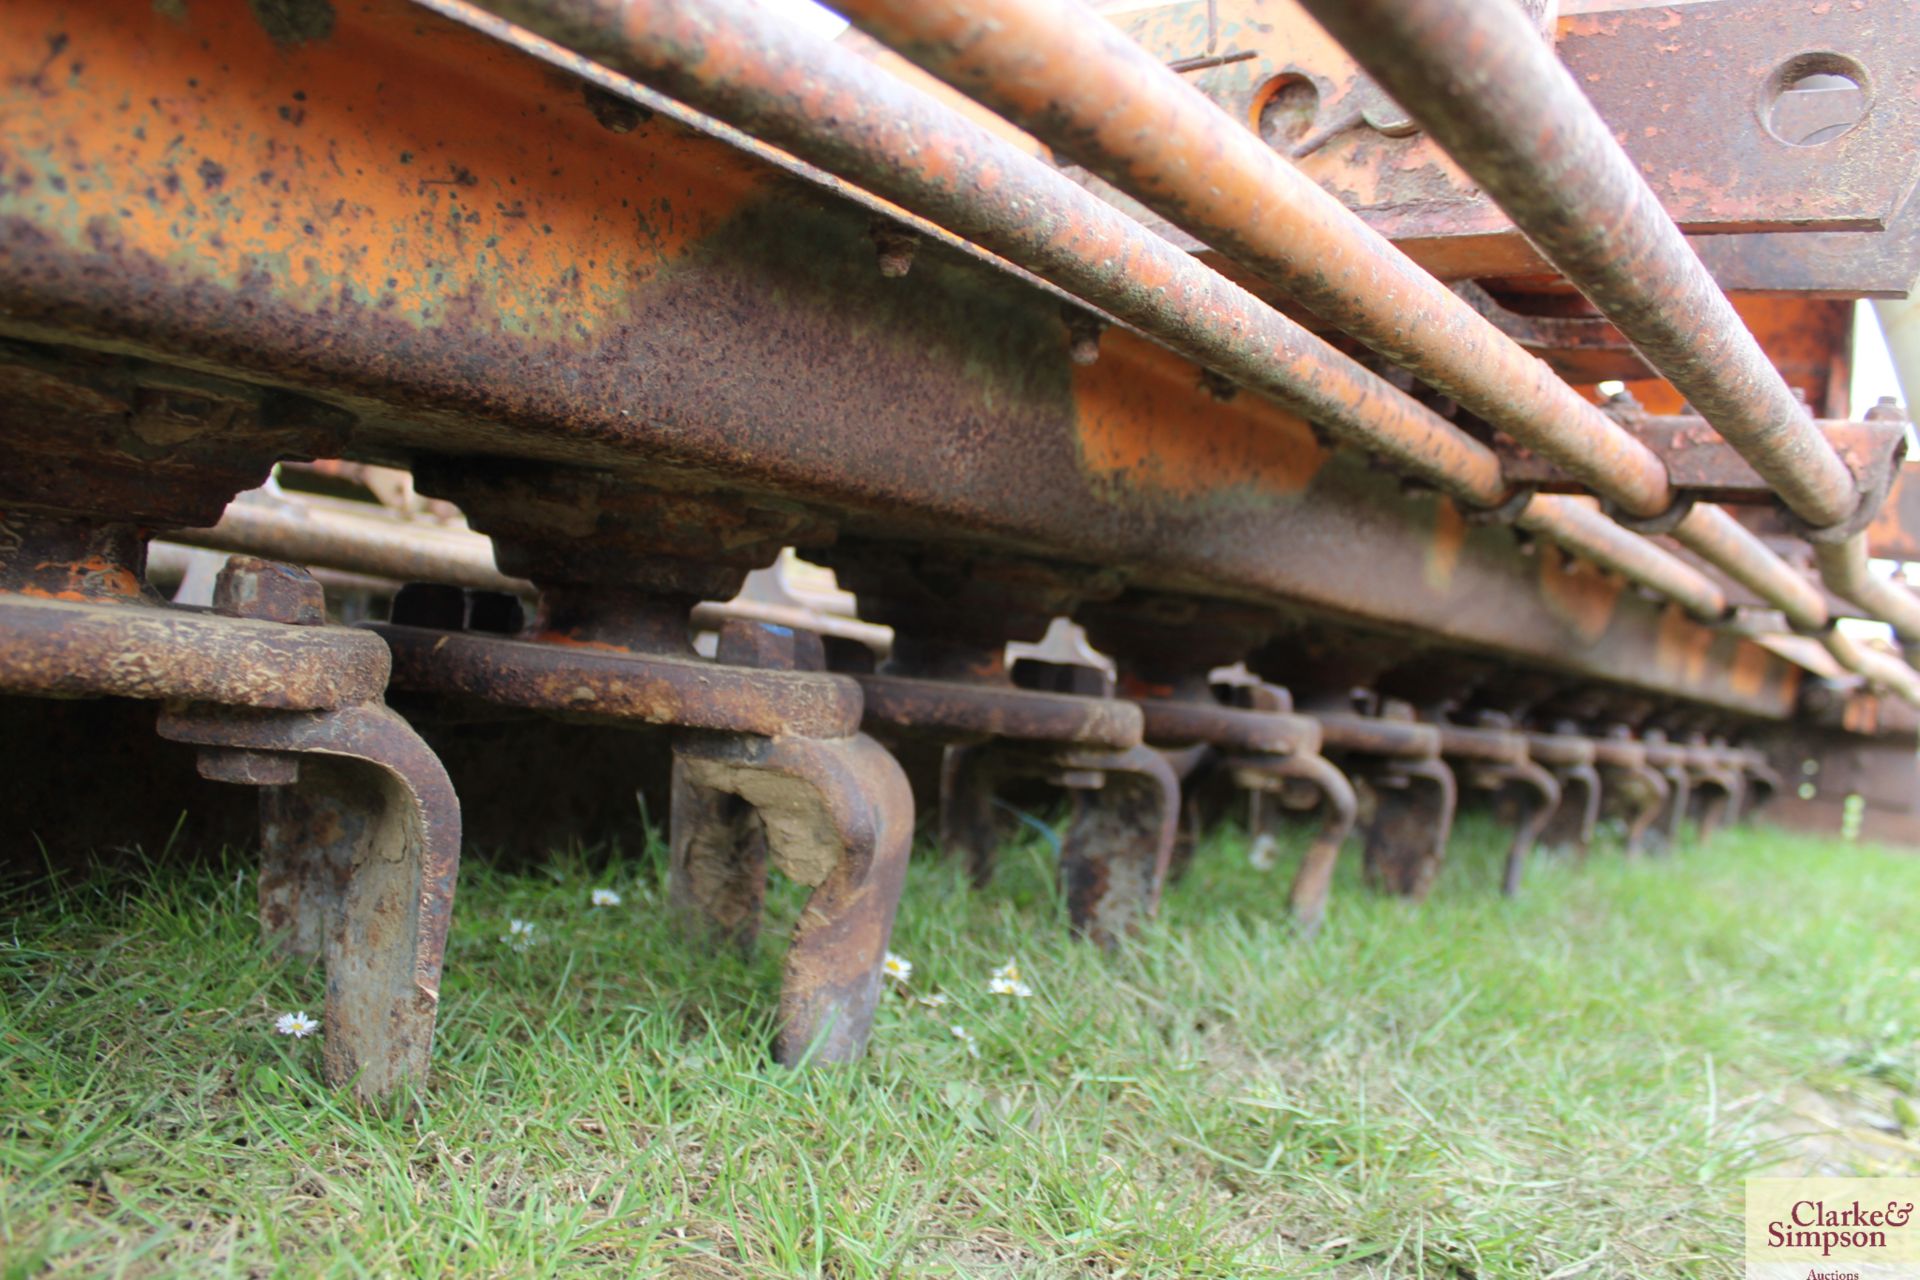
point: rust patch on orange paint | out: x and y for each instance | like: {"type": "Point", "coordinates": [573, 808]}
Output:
{"type": "Point", "coordinates": [1578, 593]}
{"type": "Point", "coordinates": [1147, 423]}
{"type": "Point", "coordinates": [1443, 549]}
{"type": "Point", "coordinates": [267, 163]}
{"type": "Point", "coordinates": [88, 579]}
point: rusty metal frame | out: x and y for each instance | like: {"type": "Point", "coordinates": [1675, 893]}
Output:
{"type": "Point", "coordinates": [1071, 469]}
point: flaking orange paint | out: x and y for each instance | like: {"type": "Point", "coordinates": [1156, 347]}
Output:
{"type": "Point", "coordinates": [449, 165]}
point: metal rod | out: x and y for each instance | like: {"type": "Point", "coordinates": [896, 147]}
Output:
{"type": "Point", "coordinates": [1582, 529]}
{"type": "Point", "coordinates": [1477, 76]}
{"type": "Point", "coordinates": [1716, 537]}
{"type": "Point", "coordinates": [831, 108]}
{"type": "Point", "coordinates": [1881, 668]}
{"type": "Point", "coordinates": [1480, 80]}
{"type": "Point", "coordinates": [1075, 81]}
{"type": "Point", "coordinates": [1844, 568]}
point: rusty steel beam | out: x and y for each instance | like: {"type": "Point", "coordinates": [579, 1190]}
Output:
{"type": "Point", "coordinates": [1820, 264]}
{"type": "Point", "coordinates": [1699, 460]}
{"type": "Point", "coordinates": [1476, 76]}
{"type": "Point", "coordinates": [761, 74]}
{"type": "Point", "coordinates": [694, 341]}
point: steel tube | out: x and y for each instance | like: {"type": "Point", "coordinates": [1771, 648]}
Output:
{"type": "Point", "coordinates": [1480, 79]}
{"type": "Point", "coordinates": [831, 108]}
{"type": "Point", "coordinates": [1062, 72]}
{"type": "Point", "coordinates": [1070, 77]}
{"type": "Point", "coordinates": [1845, 569]}
{"type": "Point", "coordinates": [1716, 537]}
{"type": "Point", "coordinates": [1582, 529]}
{"type": "Point", "coordinates": [834, 110]}
{"type": "Point", "coordinates": [1881, 668]}
{"type": "Point", "coordinates": [1482, 82]}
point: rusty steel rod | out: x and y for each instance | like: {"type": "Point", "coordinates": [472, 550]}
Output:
{"type": "Point", "coordinates": [1882, 668]}
{"type": "Point", "coordinates": [1478, 77]}
{"type": "Point", "coordinates": [1482, 83]}
{"type": "Point", "coordinates": [1581, 528]}
{"type": "Point", "coordinates": [834, 110]}
{"type": "Point", "coordinates": [1716, 537]}
{"type": "Point", "coordinates": [1079, 84]}
{"type": "Point", "coordinates": [1845, 569]}
{"type": "Point", "coordinates": [1074, 80]}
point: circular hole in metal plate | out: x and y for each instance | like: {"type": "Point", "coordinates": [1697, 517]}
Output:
{"type": "Point", "coordinates": [1813, 98]}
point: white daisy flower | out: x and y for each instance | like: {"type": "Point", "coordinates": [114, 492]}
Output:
{"type": "Point", "coordinates": [519, 934]}
{"type": "Point", "coordinates": [965, 1037]}
{"type": "Point", "coordinates": [938, 1000]}
{"type": "Point", "coordinates": [604, 898]}
{"type": "Point", "coordinates": [1006, 982]}
{"type": "Point", "coordinates": [298, 1025]}
{"type": "Point", "coordinates": [898, 968]}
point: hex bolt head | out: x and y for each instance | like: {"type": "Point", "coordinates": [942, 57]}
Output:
{"type": "Point", "coordinates": [767, 646]}
{"type": "Point", "coordinates": [1887, 410]}
{"type": "Point", "coordinates": [1083, 334]}
{"type": "Point", "coordinates": [269, 591]}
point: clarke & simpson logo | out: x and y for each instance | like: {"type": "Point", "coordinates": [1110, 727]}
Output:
{"type": "Point", "coordinates": [1833, 1229]}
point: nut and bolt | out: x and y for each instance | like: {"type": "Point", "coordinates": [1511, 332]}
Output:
{"type": "Point", "coordinates": [767, 646]}
{"type": "Point", "coordinates": [261, 591]}
{"type": "Point", "coordinates": [269, 591]}
{"type": "Point", "coordinates": [1887, 410]}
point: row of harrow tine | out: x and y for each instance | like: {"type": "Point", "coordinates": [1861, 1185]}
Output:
{"type": "Point", "coordinates": [781, 758]}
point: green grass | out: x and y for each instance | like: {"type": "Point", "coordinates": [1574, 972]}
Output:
{"type": "Point", "coordinates": [1572, 1084]}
